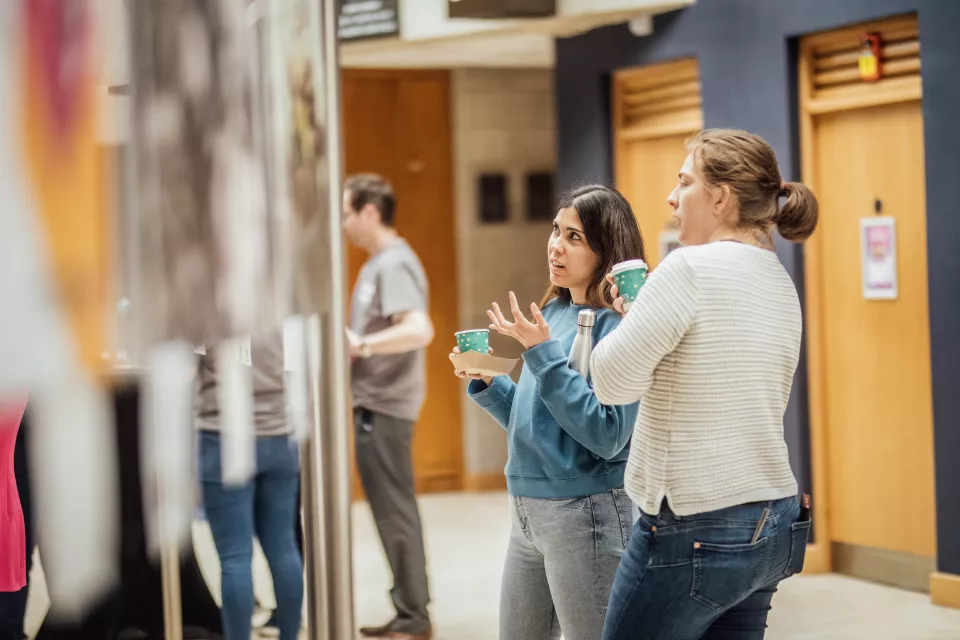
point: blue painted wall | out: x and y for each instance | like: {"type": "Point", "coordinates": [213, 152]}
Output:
{"type": "Point", "coordinates": [746, 51]}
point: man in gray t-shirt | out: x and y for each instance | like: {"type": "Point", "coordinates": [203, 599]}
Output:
{"type": "Point", "coordinates": [389, 329]}
{"type": "Point", "coordinates": [391, 288]}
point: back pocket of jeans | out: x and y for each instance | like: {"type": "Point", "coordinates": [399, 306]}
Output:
{"type": "Point", "coordinates": [799, 534]}
{"type": "Point", "coordinates": [724, 573]}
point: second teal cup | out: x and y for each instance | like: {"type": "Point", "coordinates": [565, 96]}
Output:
{"type": "Point", "coordinates": [630, 276]}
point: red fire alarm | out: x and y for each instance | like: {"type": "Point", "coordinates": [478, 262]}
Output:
{"type": "Point", "coordinates": [870, 57]}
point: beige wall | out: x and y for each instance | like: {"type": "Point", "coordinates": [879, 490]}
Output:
{"type": "Point", "coordinates": [503, 122]}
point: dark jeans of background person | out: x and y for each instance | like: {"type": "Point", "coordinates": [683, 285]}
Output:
{"type": "Point", "coordinates": [13, 606]}
{"type": "Point", "coordinates": [386, 471]}
{"type": "Point", "coordinates": [703, 576]}
{"type": "Point", "coordinates": [264, 507]}
{"type": "Point", "coordinates": [298, 531]}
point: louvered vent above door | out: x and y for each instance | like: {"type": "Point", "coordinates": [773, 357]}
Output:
{"type": "Point", "coordinates": [658, 100]}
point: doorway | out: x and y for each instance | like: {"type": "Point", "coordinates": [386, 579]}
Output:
{"type": "Point", "coordinates": [398, 124]}
{"type": "Point", "coordinates": [870, 383]}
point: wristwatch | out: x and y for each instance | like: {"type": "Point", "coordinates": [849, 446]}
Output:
{"type": "Point", "coordinates": [364, 349]}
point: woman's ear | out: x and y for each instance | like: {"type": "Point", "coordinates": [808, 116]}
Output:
{"type": "Point", "coordinates": [722, 199]}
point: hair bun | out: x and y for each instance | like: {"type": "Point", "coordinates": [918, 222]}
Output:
{"type": "Point", "coordinates": [797, 218]}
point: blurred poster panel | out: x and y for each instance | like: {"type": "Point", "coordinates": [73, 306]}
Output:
{"type": "Point", "coordinates": [56, 258]}
{"type": "Point", "coordinates": [301, 121]}
{"type": "Point", "coordinates": [229, 182]}
{"type": "Point", "coordinates": [212, 259]}
{"type": "Point", "coordinates": [54, 184]}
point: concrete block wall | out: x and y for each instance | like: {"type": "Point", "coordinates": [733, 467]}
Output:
{"type": "Point", "coordinates": [504, 122]}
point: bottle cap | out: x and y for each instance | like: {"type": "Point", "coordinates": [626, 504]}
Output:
{"type": "Point", "coordinates": [587, 318]}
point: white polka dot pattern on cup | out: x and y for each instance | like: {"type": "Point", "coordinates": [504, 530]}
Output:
{"type": "Point", "coordinates": [474, 341]}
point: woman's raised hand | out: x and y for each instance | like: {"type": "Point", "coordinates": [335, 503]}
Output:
{"type": "Point", "coordinates": [527, 333]}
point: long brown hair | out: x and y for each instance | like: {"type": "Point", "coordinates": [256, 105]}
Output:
{"type": "Point", "coordinates": [748, 165]}
{"type": "Point", "coordinates": [611, 233]}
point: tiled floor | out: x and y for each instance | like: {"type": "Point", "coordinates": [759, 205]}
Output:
{"type": "Point", "coordinates": [466, 541]}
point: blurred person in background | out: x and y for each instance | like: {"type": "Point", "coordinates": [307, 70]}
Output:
{"type": "Point", "coordinates": [567, 450]}
{"type": "Point", "coordinates": [265, 507]}
{"type": "Point", "coordinates": [14, 549]}
{"type": "Point", "coordinates": [389, 330]}
{"type": "Point", "coordinates": [710, 347]}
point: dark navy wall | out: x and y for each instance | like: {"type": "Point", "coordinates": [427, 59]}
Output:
{"type": "Point", "coordinates": [746, 51]}
{"type": "Point", "coordinates": [940, 47]}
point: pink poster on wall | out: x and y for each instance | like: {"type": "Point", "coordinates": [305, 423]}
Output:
{"type": "Point", "coordinates": [879, 258]}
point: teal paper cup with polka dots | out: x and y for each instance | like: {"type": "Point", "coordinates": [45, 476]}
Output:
{"type": "Point", "coordinates": [629, 276]}
{"type": "Point", "coordinates": [474, 340]}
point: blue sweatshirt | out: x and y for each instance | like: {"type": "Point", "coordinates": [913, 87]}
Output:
{"type": "Point", "coordinates": [562, 442]}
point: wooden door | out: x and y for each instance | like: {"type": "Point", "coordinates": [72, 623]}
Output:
{"type": "Point", "coordinates": [876, 352]}
{"type": "Point", "coordinates": [871, 399]}
{"type": "Point", "coordinates": [398, 124]}
{"type": "Point", "coordinates": [656, 109]}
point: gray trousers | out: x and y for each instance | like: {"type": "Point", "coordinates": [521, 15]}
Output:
{"type": "Point", "coordinates": [561, 561]}
{"type": "Point", "coordinates": [386, 471]}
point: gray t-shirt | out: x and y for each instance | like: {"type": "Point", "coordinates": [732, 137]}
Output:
{"type": "Point", "coordinates": [390, 283]}
{"type": "Point", "coordinates": [266, 369]}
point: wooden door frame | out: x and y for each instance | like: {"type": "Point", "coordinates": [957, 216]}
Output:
{"type": "Point", "coordinates": [892, 91]}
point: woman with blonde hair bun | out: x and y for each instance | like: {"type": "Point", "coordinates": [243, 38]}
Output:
{"type": "Point", "coordinates": [709, 348]}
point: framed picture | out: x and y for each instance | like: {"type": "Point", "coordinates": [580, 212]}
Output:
{"type": "Point", "coordinates": [878, 253]}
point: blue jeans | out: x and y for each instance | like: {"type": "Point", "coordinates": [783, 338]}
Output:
{"type": "Point", "coordinates": [562, 557]}
{"type": "Point", "coordinates": [702, 576]}
{"type": "Point", "coordinates": [264, 507]}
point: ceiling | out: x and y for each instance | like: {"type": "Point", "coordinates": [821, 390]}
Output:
{"type": "Point", "coordinates": [431, 40]}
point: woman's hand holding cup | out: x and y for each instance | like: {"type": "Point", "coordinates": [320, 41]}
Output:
{"type": "Point", "coordinates": [470, 376]}
{"type": "Point", "coordinates": [627, 278]}
{"type": "Point", "coordinates": [615, 294]}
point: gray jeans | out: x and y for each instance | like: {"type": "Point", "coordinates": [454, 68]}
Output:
{"type": "Point", "coordinates": [386, 471]}
{"type": "Point", "coordinates": [561, 561]}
